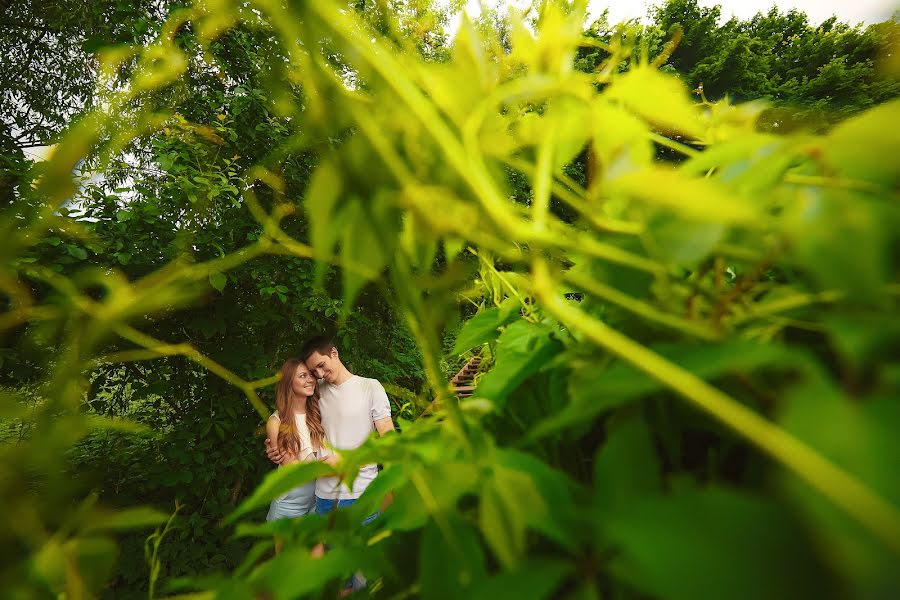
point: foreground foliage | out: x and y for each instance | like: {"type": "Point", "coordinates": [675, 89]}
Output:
{"type": "Point", "coordinates": [691, 393]}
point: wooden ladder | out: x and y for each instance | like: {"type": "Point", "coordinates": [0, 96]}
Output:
{"type": "Point", "coordinates": [463, 381]}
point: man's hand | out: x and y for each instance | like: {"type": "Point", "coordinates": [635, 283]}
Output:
{"type": "Point", "coordinates": [332, 460]}
{"type": "Point", "coordinates": [382, 426]}
{"type": "Point", "coordinates": [274, 454]}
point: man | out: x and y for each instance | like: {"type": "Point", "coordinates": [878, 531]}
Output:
{"type": "Point", "coordinates": [352, 408]}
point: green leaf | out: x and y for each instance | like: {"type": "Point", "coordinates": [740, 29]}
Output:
{"type": "Point", "coordinates": [444, 482]}
{"type": "Point", "coordinates": [362, 253]}
{"type": "Point", "coordinates": [861, 438]}
{"type": "Point", "coordinates": [123, 216]}
{"type": "Point", "coordinates": [659, 98]}
{"type": "Point", "coordinates": [322, 203]}
{"type": "Point", "coordinates": [522, 350]}
{"type": "Point", "coordinates": [76, 251]}
{"type": "Point", "coordinates": [715, 543]}
{"type": "Point", "coordinates": [701, 200]}
{"type": "Point", "coordinates": [621, 141]}
{"type": "Point", "coordinates": [295, 573]}
{"type": "Point", "coordinates": [823, 223]}
{"type": "Point", "coordinates": [567, 116]}
{"type": "Point", "coordinates": [682, 242]}
{"type": "Point", "coordinates": [731, 153]}
{"type": "Point", "coordinates": [626, 468]}
{"type": "Point", "coordinates": [92, 558]}
{"type": "Point", "coordinates": [480, 329]}
{"type": "Point", "coordinates": [131, 518]}
{"type": "Point", "coordinates": [862, 338]}
{"type": "Point", "coordinates": [594, 390]}
{"type": "Point", "coordinates": [866, 146]}
{"type": "Point", "coordinates": [532, 580]}
{"type": "Point", "coordinates": [276, 483]}
{"type": "Point", "coordinates": [501, 524]}
{"type": "Point", "coordinates": [217, 279]}
{"type": "Point", "coordinates": [552, 510]}
{"type": "Point", "coordinates": [451, 560]}
{"type": "Point", "coordinates": [512, 502]}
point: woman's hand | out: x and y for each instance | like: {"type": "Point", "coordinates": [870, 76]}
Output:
{"type": "Point", "coordinates": [275, 455]}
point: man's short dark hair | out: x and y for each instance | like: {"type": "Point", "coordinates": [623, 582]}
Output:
{"type": "Point", "coordinates": [317, 343]}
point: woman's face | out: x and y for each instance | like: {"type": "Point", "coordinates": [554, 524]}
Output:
{"type": "Point", "coordinates": [303, 384]}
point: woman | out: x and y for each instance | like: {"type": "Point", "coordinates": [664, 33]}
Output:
{"type": "Point", "coordinates": [297, 430]}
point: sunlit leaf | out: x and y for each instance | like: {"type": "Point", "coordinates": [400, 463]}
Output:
{"type": "Point", "coordinates": [658, 98]}
{"type": "Point", "coordinates": [701, 200]}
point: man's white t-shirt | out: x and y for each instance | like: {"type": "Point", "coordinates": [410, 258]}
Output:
{"type": "Point", "coordinates": [349, 412]}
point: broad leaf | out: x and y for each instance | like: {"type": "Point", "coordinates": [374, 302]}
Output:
{"type": "Point", "coordinates": [535, 579]}
{"type": "Point", "coordinates": [278, 482]}
{"type": "Point", "coordinates": [451, 560]}
{"type": "Point", "coordinates": [594, 390]}
{"type": "Point", "coordinates": [130, 518]}
{"type": "Point", "coordinates": [217, 279]}
{"type": "Point", "coordinates": [522, 349]}
{"type": "Point", "coordinates": [626, 467]}
{"type": "Point", "coordinates": [501, 523]}
{"type": "Point", "coordinates": [658, 98]}
{"type": "Point", "coordinates": [714, 543]}
{"type": "Point", "coordinates": [864, 148]}
{"type": "Point", "coordinates": [480, 329]}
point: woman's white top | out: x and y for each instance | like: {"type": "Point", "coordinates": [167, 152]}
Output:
{"type": "Point", "coordinates": [307, 453]}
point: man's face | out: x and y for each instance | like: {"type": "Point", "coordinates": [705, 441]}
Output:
{"type": "Point", "coordinates": [324, 366]}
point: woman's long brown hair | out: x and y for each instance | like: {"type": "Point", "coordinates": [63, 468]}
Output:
{"type": "Point", "coordinates": [288, 436]}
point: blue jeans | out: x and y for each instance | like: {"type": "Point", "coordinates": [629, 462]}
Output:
{"type": "Point", "coordinates": [326, 505]}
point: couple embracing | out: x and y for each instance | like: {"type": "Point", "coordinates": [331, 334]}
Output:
{"type": "Point", "coordinates": [316, 419]}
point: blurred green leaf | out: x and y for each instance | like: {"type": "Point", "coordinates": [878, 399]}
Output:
{"type": "Point", "coordinates": [501, 522]}
{"type": "Point", "coordinates": [534, 579]}
{"type": "Point", "coordinates": [277, 482]}
{"type": "Point", "coordinates": [700, 200]}
{"type": "Point", "coordinates": [626, 468]}
{"type": "Point", "coordinates": [865, 147]}
{"type": "Point", "coordinates": [130, 518]}
{"type": "Point", "coordinates": [660, 99]}
{"type": "Point", "coordinates": [822, 224]}
{"type": "Point", "coordinates": [451, 560]}
{"type": "Point", "coordinates": [861, 439]}
{"type": "Point", "coordinates": [715, 543]}
{"type": "Point", "coordinates": [522, 349]}
{"type": "Point", "coordinates": [552, 511]}
{"type": "Point", "coordinates": [480, 329]}
{"type": "Point", "coordinates": [682, 242]}
{"type": "Point", "coordinates": [294, 572]}
{"type": "Point", "coordinates": [594, 390]}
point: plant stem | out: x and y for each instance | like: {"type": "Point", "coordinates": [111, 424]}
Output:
{"type": "Point", "coordinates": [640, 308]}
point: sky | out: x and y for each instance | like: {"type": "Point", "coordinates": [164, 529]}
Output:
{"type": "Point", "coordinates": [850, 11]}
